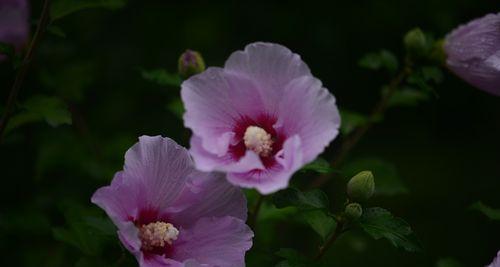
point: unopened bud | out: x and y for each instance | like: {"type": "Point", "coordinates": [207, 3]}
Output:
{"type": "Point", "coordinates": [416, 43]}
{"type": "Point", "coordinates": [353, 211]}
{"type": "Point", "coordinates": [361, 187]}
{"type": "Point", "coordinates": [190, 63]}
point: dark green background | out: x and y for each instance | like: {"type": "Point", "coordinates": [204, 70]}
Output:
{"type": "Point", "coordinates": [446, 150]}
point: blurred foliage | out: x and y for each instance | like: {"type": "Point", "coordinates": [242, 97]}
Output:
{"type": "Point", "coordinates": [105, 74]}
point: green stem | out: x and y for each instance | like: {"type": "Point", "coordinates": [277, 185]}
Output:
{"type": "Point", "coordinates": [352, 140]}
{"type": "Point", "coordinates": [338, 231]}
{"type": "Point", "coordinates": [252, 220]}
{"type": "Point", "coordinates": [26, 63]}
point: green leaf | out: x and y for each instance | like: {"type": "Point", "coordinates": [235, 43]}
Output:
{"type": "Point", "coordinates": [387, 180]}
{"type": "Point", "coordinates": [314, 199]}
{"type": "Point", "coordinates": [320, 221]}
{"type": "Point", "coordinates": [103, 225]}
{"type": "Point", "coordinates": [7, 49]}
{"type": "Point", "coordinates": [62, 8]}
{"type": "Point", "coordinates": [319, 165]}
{"type": "Point", "coordinates": [161, 77]}
{"type": "Point", "coordinates": [432, 73]}
{"type": "Point", "coordinates": [406, 97]}
{"type": "Point", "coordinates": [71, 80]}
{"type": "Point", "coordinates": [351, 120]}
{"type": "Point", "coordinates": [293, 259]}
{"type": "Point", "coordinates": [176, 107]}
{"type": "Point", "coordinates": [380, 223]}
{"type": "Point", "coordinates": [38, 108]}
{"type": "Point", "coordinates": [380, 60]}
{"type": "Point", "coordinates": [493, 214]}
{"type": "Point", "coordinates": [56, 30]}
{"type": "Point", "coordinates": [448, 262]}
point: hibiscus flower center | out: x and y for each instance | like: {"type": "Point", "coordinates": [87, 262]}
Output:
{"type": "Point", "coordinates": [258, 140]}
{"type": "Point", "coordinates": [157, 235]}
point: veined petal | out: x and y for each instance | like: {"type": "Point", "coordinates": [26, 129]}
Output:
{"type": "Point", "coordinates": [215, 241]}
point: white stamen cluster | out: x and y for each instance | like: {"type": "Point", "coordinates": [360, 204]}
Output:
{"type": "Point", "coordinates": [258, 140]}
{"type": "Point", "coordinates": [157, 235]}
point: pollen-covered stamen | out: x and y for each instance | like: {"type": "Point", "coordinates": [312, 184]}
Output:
{"type": "Point", "coordinates": [258, 140]}
{"type": "Point", "coordinates": [157, 235]}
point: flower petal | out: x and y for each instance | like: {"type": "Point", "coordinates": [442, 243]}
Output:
{"type": "Point", "coordinates": [270, 66]}
{"type": "Point", "coordinates": [14, 22]}
{"type": "Point", "coordinates": [214, 101]}
{"type": "Point", "coordinates": [120, 199]}
{"type": "Point", "coordinates": [315, 117]}
{"type": "Point", "coordinates": [209, 195]}
{"type": "Point", "coordinates": [206, 161]}
{"type": "Point", "coordinates": [162, 166]}
{"type": "Point", "coordinates": [215, 241]}
{"type": "Point", "coordinates": [496, 261]}
{"type": "Point", "coordinates": [274, 179]}
{"type": "Point", "coordinates": [473, 52]}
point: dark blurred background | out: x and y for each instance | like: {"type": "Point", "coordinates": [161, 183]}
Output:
{"type": "Point", "coordinates": [446, 150]}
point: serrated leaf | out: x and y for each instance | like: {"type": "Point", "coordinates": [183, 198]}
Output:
{"type": "Point", "coordinates": [293, 259]}
{"type": "Point", "coordinates": [432, 73]}
{"type": "Point", "coordinates": [448, 262]}
{"type": "Point", "coordinates": [38, 108]}
{"type": "Point", "coordinates": [351, 120]}
{"type": "Point", "coordinates": [161, 77]}
{"type": "Point", "coordinates": [71, 80]}
{"type": "Point", "coordinates": [56, 30]}
{"type": "Point", "coordinates": [62, 8]}
{"type": "Point", "coordinates": [382, 59]}
{"type": "Point", "coordinates": [387, 180]}
{"type": "Point", "coordinates": [320, 221]}
{"type": "Point", "coordinates": [314, 199]}
{"type": "Point", "coordinates": [319, 165]}
{"type": "Point", "coordinates": [176, 106]}
{"type": "Point", "coordinates": [380, 223]}
{"type": "Point", "coordinates": [493, 214]}
{"type": "Point", "coordinates": [104, 225]}
{"type": "Point", "coordinates": [406, 97]}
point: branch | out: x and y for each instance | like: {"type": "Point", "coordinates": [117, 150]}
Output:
{"type": "Point", "coordinates": [26, 63]}
{"type": "Point", "coordinates": [351, 140]}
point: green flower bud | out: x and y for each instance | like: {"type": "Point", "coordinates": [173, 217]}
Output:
{"type": "Point", "coordinates": [353, 211]}
{"type": "Point", "coordinates": [416, 43]}
{"type": "Point", "coordinates": [361, 187]}
{"type": "Point", "coordinates": [190, 63]}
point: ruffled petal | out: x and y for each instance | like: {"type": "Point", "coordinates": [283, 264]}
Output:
{"type": "Point", "coordinates": [206, 161]}
{"type": "Point", "coordinates": [270, 66]}
{"type": "Point", "coordinates": [315, 117]}
{"type": "Point", "coordinates": [121, 199]}
{"type": "Point", "coordinates": [209, 195]}
{"type": "Point", "coordinates": [271, 180]}
{"type": "Point", "coordinates": [214, 101]}
{"type": "Point", "coordinates": [215, 241]}
{"type": "Point", "coordinates": [496, 261]}
{"type": "Point", "coordinates": [473, 52]}
{"type": "Point", "coordinates": [161, 166]}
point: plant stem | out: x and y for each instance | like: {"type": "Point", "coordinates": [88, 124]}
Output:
{"type": "Point", "coordinates": [23, 70]}
{"type": "Point", "coordinates": [338, 231]}
{"type": "Point", "coordinates": [351, 140]}
{"type": "Point", "coordinates": [252, 220]}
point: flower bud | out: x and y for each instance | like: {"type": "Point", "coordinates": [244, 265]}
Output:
{"type": "Point", "coordinates": [361, 187]}
{"type": "Point", "coordinates": [353, 211]}
{"type": "Point", "coordinates": [416, 43]}
{"type": "Point", "coordinates": [190, 63]}
{"type": "Point", "coordinates": [473, 51]}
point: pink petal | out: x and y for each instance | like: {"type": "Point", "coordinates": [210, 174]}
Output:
{"type": "Point", "coordinates": [315, 117]}
{"type": "Point", "coordinates": [209, 195]}
{"type": "Point", "coordinates": [272, 180]}
{"type": "Point", "coordinates": [215, 241]}
{"type": "Point", "coordinates": [162, 166]}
